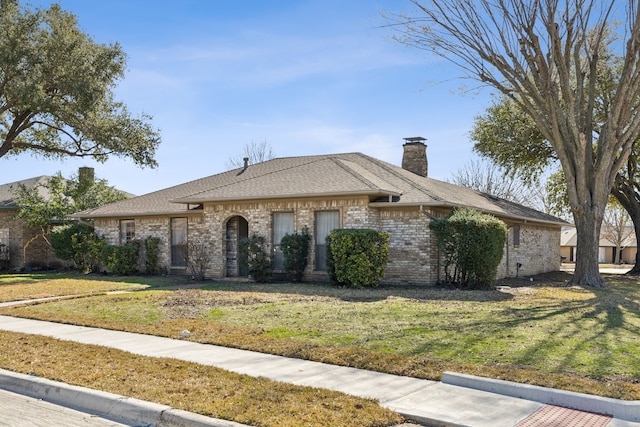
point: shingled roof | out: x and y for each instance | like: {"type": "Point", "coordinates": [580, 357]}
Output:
{"type": "Point", "coordinates": [322, 176]}
{"type": "Point", "coordinates": [8, 191]}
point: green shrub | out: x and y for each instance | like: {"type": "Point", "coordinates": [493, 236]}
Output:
{"type": "Point", "coordinates": [357, 257]}
{"type": "Point", "coordinates": [295, 249]}
{"type": "Point", "coordinates": [121, 259]}
{"type": "Point", "coordinates": [78, 244]}
{"type": "Point", "coordinates": [471, 244]}
{"type": "Point", "coordinates": [152, 255]}
{"type": "Point", "coordinates": [258, 262]}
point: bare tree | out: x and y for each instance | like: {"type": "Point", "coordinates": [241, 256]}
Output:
{"type": "Point", "coordinates": [254, 153]}
{"type": "Point", "coordinates": [616, 227]}
{"type": "Point", "coordinates": [487, 177]}
{"type": "Point", "coordinates": [545, 56]}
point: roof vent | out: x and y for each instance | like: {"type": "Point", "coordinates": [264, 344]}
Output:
{"type": "Point", "coordinates": [414, 158]}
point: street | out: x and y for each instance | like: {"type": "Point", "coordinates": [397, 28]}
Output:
{"type": "Point", "coordinates": [22, 411]}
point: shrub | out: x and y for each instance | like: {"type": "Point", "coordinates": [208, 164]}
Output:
{"type": "Point", "coordinates": [357, 257]}
{"type": "Point", "coordinates": [472, 243]}
{"type": "Point", "coordinates": [295, 249]}
{"type": "Point", "coordinates": [121, 259]}
{"type": "Point", "coordinates": [152, 255]}
{"type": "Point", "coordinates": [258, 262]}
{"type": "Point", "coordinates": [198, 258]}
{"type": "Point", "coordinates": [77, 244]}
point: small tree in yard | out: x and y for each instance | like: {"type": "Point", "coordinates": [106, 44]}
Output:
{"type": "Point", "coordinates": [295, 248]}
{"type": "Point", "coordinates": [357, 257]}
{"type": "Point", "coordinates": [472, 244]}
{"type": "Point", "coordinates": [259, 263]}
{"type": "Point", "coordinates": [198, 258]}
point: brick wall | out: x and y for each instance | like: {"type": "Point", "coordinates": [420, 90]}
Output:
{"type": "Point", "coordinates": [413, 254]}
{"type": "Point", "coordinates": [538, 251]}
{"type": "Point", "coordinates": [38, 252]}
{"type": "Point", "coordinates": [409, 245]}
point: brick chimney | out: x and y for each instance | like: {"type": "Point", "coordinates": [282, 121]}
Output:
{"type": "Point", "coordinates": [414, 158]}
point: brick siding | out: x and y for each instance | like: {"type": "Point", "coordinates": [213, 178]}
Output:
{"type": "Point", "coordinates": [413, 255]}
{"type": "Point", "coordinates": [38, 253]}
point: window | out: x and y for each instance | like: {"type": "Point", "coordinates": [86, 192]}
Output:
{"type": "Point", "coordinates": [516, 235]}
{"type": "Point", "coordinates": [326, 221]}
{"type": "Point", "coordinates": [4, 244]}
{"type": "Point", "coordinates": [127, 230]}
{"type": "Point", "coordinates": [179, 252]}
{"type": "Point", "coordinates": [282, 224]}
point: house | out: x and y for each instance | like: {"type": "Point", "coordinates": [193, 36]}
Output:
{"type": "Point", "coordinates": [324, 192]}
{"type": "Point", "coordinates": [607, 250]}
{"type": "Point", "coordinates": [27, 247]}
{"type": "Point", "coordinates": [15, 234]}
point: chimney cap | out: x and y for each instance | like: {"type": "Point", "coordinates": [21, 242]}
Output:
{"type": "Point", "coordinates": [415, 140]}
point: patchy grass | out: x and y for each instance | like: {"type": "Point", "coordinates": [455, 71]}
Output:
{"type": "Point", "coordinates": [21, 287]}
{"type": "Point", "coordinates": [189, 386]}
{"type": "Point", "coordinates": [540, 332]}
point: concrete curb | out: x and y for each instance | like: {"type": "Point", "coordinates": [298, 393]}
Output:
{"type": "Point", "coordinates": [627, 410]}
{"type": "Point", "coordinates": [118, 408]}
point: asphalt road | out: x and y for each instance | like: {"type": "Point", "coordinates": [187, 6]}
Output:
{"type": "Point", "coordinates": [17, 410]}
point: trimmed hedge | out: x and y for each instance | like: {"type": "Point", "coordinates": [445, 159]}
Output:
{"type": "Point", "coordinates": [357, 257]}
{"type": "Point", "coordinates": [472, 244]}
{"type": "Point", "coordinates": [122, 259]}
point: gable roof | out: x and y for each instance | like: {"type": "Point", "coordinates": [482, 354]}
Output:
{"type": "Point", "coordinates": [317, 176]}
{"type": "Point", "coordinates": [7, 191]}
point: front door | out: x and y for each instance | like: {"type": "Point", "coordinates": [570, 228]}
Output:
{"type": "Point", "coordinates": [237, 229]}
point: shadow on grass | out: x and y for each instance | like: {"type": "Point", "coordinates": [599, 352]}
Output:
{"type": "Point", "coordinates": [593, 336]}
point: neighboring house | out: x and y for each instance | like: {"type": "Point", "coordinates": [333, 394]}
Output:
{"type": "Point", "coordinates": [14, 233]}
{"type": "Point", "coordinates": [606, 248]}
{"type": "Point", "coordinates": [323, 193]}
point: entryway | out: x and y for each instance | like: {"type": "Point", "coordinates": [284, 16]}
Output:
{"type": "Point", "coordinates": [237, 229]}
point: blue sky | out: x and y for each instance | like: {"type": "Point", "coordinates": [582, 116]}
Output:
{"type": "Point", "coordinates": [308, 77]}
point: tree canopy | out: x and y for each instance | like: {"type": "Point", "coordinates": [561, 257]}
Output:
{"type": "Point", "coordinates": [56, 91]}
{"type": "Point", "coordinates": [546, 58]}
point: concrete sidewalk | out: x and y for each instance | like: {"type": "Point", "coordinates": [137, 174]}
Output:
{"type": "Point", "coordinates": [458, 400]}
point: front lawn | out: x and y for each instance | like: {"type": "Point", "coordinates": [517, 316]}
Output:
{"type": "Point", "coordinates": [20, 287]}
{"type": "Point", "coordinates": [540, 332]}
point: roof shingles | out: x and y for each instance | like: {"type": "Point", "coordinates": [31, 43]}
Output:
{"type": "Point", "coordinates": [323, 175]}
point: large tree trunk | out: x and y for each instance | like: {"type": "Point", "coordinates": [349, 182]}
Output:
{"type": "Point", "coordinates": [636, 226]}
{"type": "Point", "coordinates": [587, 271]}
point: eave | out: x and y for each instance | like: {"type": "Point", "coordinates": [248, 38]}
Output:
{"type": "Point", "coordinates": [447, 205]}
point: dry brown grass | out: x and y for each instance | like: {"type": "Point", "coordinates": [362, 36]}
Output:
{"type": "Point", "coordinates": [189, 386]}
{"type": "Point", "coordinates": [20, 287]}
